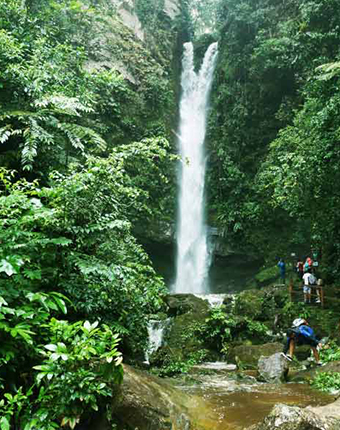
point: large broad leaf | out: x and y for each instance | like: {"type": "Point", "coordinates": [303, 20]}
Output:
{"type": "Point", "coordinates": [4, 424]}
{"type": "Point", "coordinates": [63, 241]}
{"type": "Point", "coordinates": [6, 266]}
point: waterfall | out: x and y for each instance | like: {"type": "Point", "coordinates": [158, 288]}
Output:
{"type": "Point", "coordinates": [155, 333]}
{"type": "Point", "coordinates": [192, 249]}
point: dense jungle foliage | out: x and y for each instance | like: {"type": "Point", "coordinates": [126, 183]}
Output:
{"type": "Point", "coordinates": [84, 159]}
{"type": "Point", "coordinates": [274, 127]}
{"type": "Point", "coordinates": [87, 110]}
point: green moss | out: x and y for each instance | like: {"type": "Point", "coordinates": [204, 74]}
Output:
{"type": "Point", "coordinates": [267, 275]}
{"type": "Point", "coordinates": [249, 303]}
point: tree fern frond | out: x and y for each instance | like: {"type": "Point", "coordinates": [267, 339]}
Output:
{"type": "Point", "coordinates": [62, 104]}
{"type": "Point", "coordinates": [5, 133]}
{"type": "Point", "coordinates": [29, 151]}
{"type": "Point", "coordinates": [84, 134]}
{"type": "Point", "coordinates": [33, 134]}
{"type": "Point", "coordinates": [329, 70]}
{"type": "Point", "coordinates": [94, 137]}
{"type": "Point", "coordinates": [19, 114]}
{"type": "Point", "coordinates": [73, 134]}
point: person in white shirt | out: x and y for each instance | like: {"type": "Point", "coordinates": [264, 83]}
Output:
{"type": "Point", "coordinates": [307, 287]}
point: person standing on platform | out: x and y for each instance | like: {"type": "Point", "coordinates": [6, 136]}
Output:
{"type": "Point", "coordinates": [299, 268]}
{"type": "Point", "coordinates": [282, 266]}
{"type": "Point", "coordinates": [307, 290]}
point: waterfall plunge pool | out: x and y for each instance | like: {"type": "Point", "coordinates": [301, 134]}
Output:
{"type": "Point", "coordinates": [227, 275]}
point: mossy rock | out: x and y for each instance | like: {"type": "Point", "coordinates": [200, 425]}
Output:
{"type": "Point", "coordinates": [247, 356]}
{"type": "Point", "coordinates": [181, 341]}
{"type": "Point", "coordinates": [309, 374]}
{"type": "Point", "coordinates": [267, 276]}
{"type": "Point", "coordinates": [179, 304]}
{"type": "Point", "coordinates": [249, 303]}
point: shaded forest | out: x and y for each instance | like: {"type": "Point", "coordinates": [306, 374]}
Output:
{"type": "Point", "coordinates": [87, 159]}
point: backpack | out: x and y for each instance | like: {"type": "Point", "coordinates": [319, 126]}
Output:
{"type": "Point", "coordinates": [306, 331]}
{"type": "Point", "coordinates": [312, 280]}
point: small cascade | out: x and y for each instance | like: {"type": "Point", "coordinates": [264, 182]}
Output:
{"type": "Point", "coordinates": [215, 299]}
{"type": "Point", "coordinates": [155, 331]}
{"type": "Point", "coordinates": [192, 248]}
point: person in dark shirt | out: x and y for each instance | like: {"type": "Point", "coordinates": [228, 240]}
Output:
{"type": "Point", "coordinates": [299, 268]}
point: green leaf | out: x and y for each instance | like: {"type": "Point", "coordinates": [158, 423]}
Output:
{"type": "Point", "coordinates": [7, 267]}
{"type": "Point", "coordinates": [61, 241]}
{"type": "Point", "coordinates": [51, 347]}
{"type": "Point", "coordinates": [61, 304]}
{"type": "Point", "coordinates": [4, 424]}
{"type": "Point", "coordinates": [87, 325]}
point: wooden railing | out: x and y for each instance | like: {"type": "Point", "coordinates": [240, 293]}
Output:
{"type": "Point", "coordinates": [294, 290]}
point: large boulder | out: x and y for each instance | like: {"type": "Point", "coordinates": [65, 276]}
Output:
{"type": "Point", "coordinates": [247, 356]}
{"type": "Point", "coordinates": [284, 417]}
{"type": "Point", "coordinates": [273, 368]}
{"type": "Point", "coordinates": [145, 402]}
{"type": "Point", "coordinates": [179, 304]}
{"type": "Point", "coordinates": [180, 341]}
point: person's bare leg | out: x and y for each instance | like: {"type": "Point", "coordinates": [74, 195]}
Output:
{"type": "Point", "coordinates": [291, 347]}
{"type": "Point", "coordinates": [316, 354]}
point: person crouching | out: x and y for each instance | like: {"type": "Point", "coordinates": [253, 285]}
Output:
{"type": "Point", "coordinates": [301, 334]}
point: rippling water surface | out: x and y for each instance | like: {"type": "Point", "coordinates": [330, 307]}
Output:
{"type": "Point", "coordinates": [236, 405]}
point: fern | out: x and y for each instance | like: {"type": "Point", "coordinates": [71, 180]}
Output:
{"type": "Point", "coordinates": [33, 134]}
{"type": "Point", "coordinates": [328, 70]}
{"type": "Point", "coordinates": [64, 105]}
{"type": "Point", "coordinates": [73, 135]}
{"type": "Point", "coordinates": [44, 127]}
{"type": "Point", "coordinates": [5, 133]}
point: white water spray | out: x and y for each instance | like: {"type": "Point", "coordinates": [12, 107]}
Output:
{"type": "Point", "coordinates": [155, 333]}
{"type": "Point", "coordinates": [192, 250]}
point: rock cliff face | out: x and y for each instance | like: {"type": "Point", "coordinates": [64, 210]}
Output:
{"type": "Point", "coordinates": [127, 11]}
{"type": "Point", "coordinates": [139, 41]}
{"type": "Point", "coordinates": [128, 38]}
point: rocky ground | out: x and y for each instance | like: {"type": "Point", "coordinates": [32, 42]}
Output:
{"type": "Point", "coordinates": [257, 319]}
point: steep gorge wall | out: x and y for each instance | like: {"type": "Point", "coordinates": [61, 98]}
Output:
{"type": "Point", "coordinates": [141, 40]}
{"type": "Point", "coordinates": [268, 52]}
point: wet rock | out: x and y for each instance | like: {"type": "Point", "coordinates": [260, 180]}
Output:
{"type": "Point", "coordinates": [273, 369]}
{"type": "Point", "coordinates": [179, 304]}
{"type": "Point", "coordinates": [180, 341]}
{"type": "Point", "coordinates": [247, 356]}
{"type": "Point", "coordinates": [308, 374]}
{"type": "Point", "coordinates": [331, 410]}
{"type": "Point", "coordinates": [145, 402]}
{"type": "Point", "coordinates": [284, 417]}
{"type": "Point", "coordinates": [217, 367]}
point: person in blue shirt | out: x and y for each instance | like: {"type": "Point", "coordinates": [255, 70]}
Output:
{"type": "Point", "coordinates": [301, 334]}
{"type": "Point", "coordinates": [282, 266]}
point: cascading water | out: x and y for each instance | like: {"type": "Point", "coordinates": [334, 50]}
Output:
{"type": "Point", "coordinates": [192, 249]}
{"type": "Point", "coordinates": [155, 333]}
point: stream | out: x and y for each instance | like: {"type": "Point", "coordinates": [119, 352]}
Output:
{"type": "Point", "coordinates": [236, 404]}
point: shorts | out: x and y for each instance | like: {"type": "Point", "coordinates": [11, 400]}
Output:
{"type": "Point", "coordinates": [306, 289]}
{"type": "Point", "coordinates": [302, 340]}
